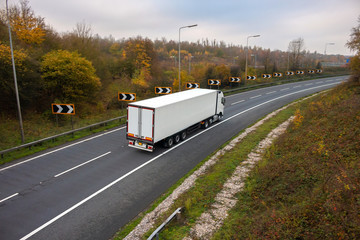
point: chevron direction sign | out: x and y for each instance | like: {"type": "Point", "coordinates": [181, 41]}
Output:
{"type": "Point", "coordinates": [192, 85]}
{"type": "Point", "coordinates": [289, 73]}
{"type": "Point", "coordinates": [250, 77]}
{"type": "Point", "coordinates": [122, 96]}
{"type": "Point", "coordinates": [63, 108]}
{"type": "Point", "coordinates": [311, 71]}
{"type": "Point", "coordinates": [277, 74]}
{"type": "Point", "coordinates": [163, 90]}
{"type": "Point", "coordinates": [299, 72]}
{"type": "Point", "coordinates": [318, 70]}
{"type": "Point", "coordinates": [234, 79]}
{"type": "Point", "coordinates": [214, 82]}
{"type": "Point", "coordinates": [266, 75]}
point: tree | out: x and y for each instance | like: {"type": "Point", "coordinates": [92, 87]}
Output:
{"type": "Point", "coordinates": [68, 76]}
{"type": "Point", "coordinates": [354, 45]}
{"type": "Point", "coordinates": [354, 42]}
{"type": "Point", "coordinates": [28, 27]}
{"type": "Point", "coordinates": [6, 74]}
{"type": "Point", "coordinates": [295, 50]}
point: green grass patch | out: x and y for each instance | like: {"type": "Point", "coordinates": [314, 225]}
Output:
{"type": "Point", "coordinates": [36, 127]}
{"type": "Point", "coordinates": [307, 185]}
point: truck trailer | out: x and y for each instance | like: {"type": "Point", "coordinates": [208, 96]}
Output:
{"type": "Point", "coordinates": [169, 118]}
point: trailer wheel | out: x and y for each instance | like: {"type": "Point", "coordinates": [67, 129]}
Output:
{"type": "Point", "coordinates": [177, 138]}
{"type": "Point", "coordinates": [169, 142]}
{"type": "Point", "coordinates": [183, 135]}
{"type": "Point", "coordinates": [206, 124]}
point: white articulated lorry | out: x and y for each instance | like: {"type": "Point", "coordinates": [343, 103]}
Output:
{"type": "Point", "coordinates": [169, 118]}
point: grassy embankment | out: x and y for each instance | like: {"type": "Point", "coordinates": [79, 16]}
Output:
{"type": "Point", "coordinates": [307, 185]}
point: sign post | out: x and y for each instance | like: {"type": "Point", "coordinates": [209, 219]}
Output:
{"type": "Point", "coordinates": [66, 109]}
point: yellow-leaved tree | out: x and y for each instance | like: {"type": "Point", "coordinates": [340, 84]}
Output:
{"type": "Point", "coordinates": [27, 27]}
{"type": "Point", "coordinates": [68, 76]}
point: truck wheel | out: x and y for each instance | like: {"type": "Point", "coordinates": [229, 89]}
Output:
{"type": "Point", "coordinates": [183, 135]}
{"type": "Point", "coordinates": [169, 142]}
{"type": "Point", "coordinates": [211, 121]}
{"type": "Point", "coordinates": [177, 138]}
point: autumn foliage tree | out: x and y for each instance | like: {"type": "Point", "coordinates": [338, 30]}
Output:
{"type": "Point", "coordinates": [354, 45]}
{"type": "Point", "coordinates": [68, 76]}
{"type": "Point", "coordinates": [28, 27]}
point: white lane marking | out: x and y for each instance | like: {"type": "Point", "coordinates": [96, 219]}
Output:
{"type": "Point", "coordinates": [284, 89]}
{"type": "Point", "coordinates": [59, 149]}
{"type": "Point", "coordinates": [271, 92]}
{"type": "Point", "coordinates": [308, 84]}
{"type": "Point", "coordinates": [153, 159]}
{"type": "Point", "coordinates": [255, 96]}
{"type": "Point", "coordinates": [57, 175]}
{"type": "Point", "coordinates": [297, 86]}
{"type": "Point", "coordinates": [238, 102]}
{"type": "Point", "coordinates": [7, 198]}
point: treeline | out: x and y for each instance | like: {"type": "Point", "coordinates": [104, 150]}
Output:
{"type": "Point", "coordinates": [83, 68]}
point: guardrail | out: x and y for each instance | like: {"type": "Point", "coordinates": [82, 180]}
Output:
{"type": "Point", "coordinates": [161, 227]}
{"type": "Point", "coordinates": [30, 144]}
{"type": "Point", "coordinates": [278, 82]}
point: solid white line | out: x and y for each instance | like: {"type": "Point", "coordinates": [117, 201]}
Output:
{"type": "Point", "coordinates": [57, 175]}
{"type": "Point", "coordinates": [59, 149]}
{"type": "Point", "coordinates": [238, 102]}
{"type": "Point", "coordinates": [284, 89]}
{"type": "Point", "coordinates": [256, 96]}
{"type": "Point", "coordinates": [271, 92]}
{"type": "Point", "coordinates": [155, 158]}
{"type": "Point", "coordinates": [9, 197]}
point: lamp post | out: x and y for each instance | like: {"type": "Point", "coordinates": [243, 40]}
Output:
{"type": "Point", "coordinates": [189, 26]}
{"type": "Point", "coordinates": [326, 46]}
{"type": "Point", "coordinates": [15, 79]}
{"type": "Point", "coordinates": [246, 57]}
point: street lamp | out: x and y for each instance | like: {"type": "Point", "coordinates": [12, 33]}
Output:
{"type": "Point", "coordinates": [15, 80]}
{"type": "Point", "coordinates": [246, 57]}
{"type": "Point", "coordinates": [190, 26]}
{"type": "Point", "coordinates": [326, 46]}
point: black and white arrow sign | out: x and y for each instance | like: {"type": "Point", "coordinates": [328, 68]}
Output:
{"type": "Point", "coordinates": [163, 90]}
{"type": "Point", "coordinates": [266, 75]}
{"type": "Point", "coordinates": [63, 108]}
{"type": "Point", "coordinates": [235, 79]}
{"type": "Point", "coordinates": [289, 73]}
{"type": "Point", "coordinates": [214, 82]}
{"type": "Point", "coordinates": [318, 70]}
{"type": "Point", "coordinates": [192, 85]}
{"type": "Point", "coordinates": [277, 74]}
{"type": "Point", "coordinates": [250, 77]}
{"type": "Point", "coordinates": [127, 96]}
{"type": "Point", "coordinates": [311, 71]}
{"type": "Point", "coordinates": [299, 72]}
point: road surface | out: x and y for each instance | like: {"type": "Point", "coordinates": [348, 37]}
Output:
{"type": "Point", "coordinates": [90, 188]}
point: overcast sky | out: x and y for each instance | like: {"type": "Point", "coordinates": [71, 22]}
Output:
{"type": "Point", "coordinates": [277, 21]}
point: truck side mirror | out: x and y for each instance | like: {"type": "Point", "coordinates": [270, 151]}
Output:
{"type": "Point", "coordinates": [223, 101]}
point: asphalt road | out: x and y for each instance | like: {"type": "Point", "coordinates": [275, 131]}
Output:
{"type": "Point", "coordinates": [90, 188]}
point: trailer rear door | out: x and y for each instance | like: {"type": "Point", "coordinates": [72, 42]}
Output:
{"type": "Point", "coordinates": [140, 123]}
